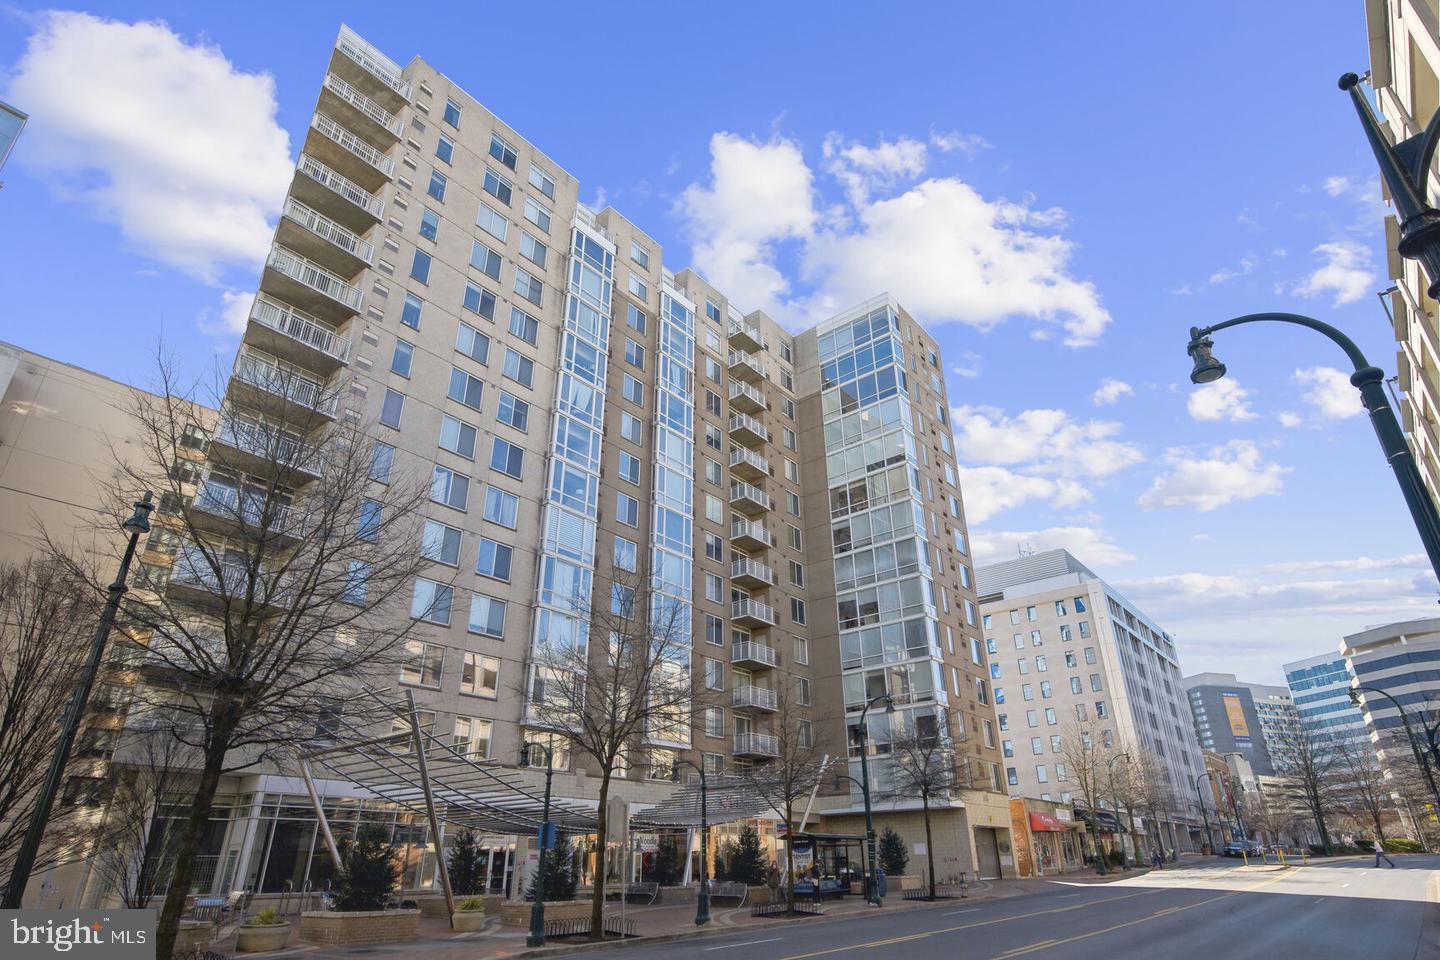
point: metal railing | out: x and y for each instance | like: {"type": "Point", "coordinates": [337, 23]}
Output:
{"type": "Point", "coordinates": [744, 566]}
{"type": "Point", "coordinates": [357, 195]}
{"type": "Point", "coordinates": [739, 456]}
{"type": "Point", "coordinates": [740, 421]}
{"type": "Point", "coordinates": [327, 229]}
{"type": "Point", "coordinates": [757, 744]}
{"type": "Point", "coordinates": [286, 320]}
{"type": "Point", "coordinates": [753, 609]}
{"type": "Point", "coordinates": [739, 388]}
{"type": "Point", "coordinates": [279, 379]}
{"type": "Point", "coordinates": [374, 62]}
{"type": "Point", "coordinates": [266, 442]}
{"type": "Point", "coordinates": [364, 104]}
{"type": "Point", "coordinates": [739, 358]}
{"type": "Point", "coordinates": [749, 695]}
{"type": "Point", "coordinates": [755, 653]}
{"type": "Point", "coordinates": [749, 528]}
{"type": "Point", "coordinates": [314, 276]}
{"type": "Point", "coordinates": [740, 490]}
{"type": "Point", "coordinates": [335, 130]}
{"type": "Point", "coordinates": [739, 328]}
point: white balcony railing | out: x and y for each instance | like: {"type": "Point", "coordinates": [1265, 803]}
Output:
{"type": "Point", "coordinates": [314, 276]}
{"type": "Point", "coordinates": [739, 388]}
{"type": "Point", "coordinates": [284, 381]}
{"type": "Point", "coordinates": [332, 128]}
{"type": "Point", "coordinates": [241, 504]}
{"type": "Point", "coordinates": [364, 104]}
{"type": "Point", "coordinates": [739, 490]}
{"type": "Point", "coordinates": [746, 567]}
{"type": "Point", "coordinates": [357, 195]}
{"type": "Point", "coordinates": [739, 358]}
{"type": "Point", "coordinates": [285, 319]}
{"type": "Point", "coordinates": [739, 456]}
{"type": "Point", "coordinates": [757, 745]}
{"type": "Point", "coordinates": [753, 529]}
{"type": "Point", "coordinates": [266, 441]}
{"type": "Point", "coordinates": [374, 62]}
{"type": "Point", "coordinates": [752, 652]}
{"type": "Point", "coordinates": [739, 328]}
{"type": "Point", "coordinates": [327, 229]}
{"type": "Point", "coordinates": [753, 609]}
{"type": "Point", "coordinates": [750, 695]}
{"type": "Point", "coordinates": [740, 421]}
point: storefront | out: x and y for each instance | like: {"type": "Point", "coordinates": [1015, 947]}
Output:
{"type": "Point", "coordinates": [1049, 838]}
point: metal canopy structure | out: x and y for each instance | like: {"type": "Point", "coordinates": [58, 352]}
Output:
{"type": "Point", "coordinates": [729, 798]}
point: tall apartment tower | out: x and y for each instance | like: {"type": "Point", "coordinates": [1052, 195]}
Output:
{"type": "Point", "coordinates": [1405, 75]}
{"type": "Point", "coordinates": [584, 413]}
{"type": "Point", "coordinates": [1066, 648]}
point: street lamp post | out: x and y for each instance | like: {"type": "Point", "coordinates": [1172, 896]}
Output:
{"type": "Point", "coordinates": [1115, 798]}
{"type": "Point", "coordinates": [536, 937]}
{"type": "Point", "coordinates": [1208, 839]}
{"type": "Point", "coordinates": [1370, 381]}
{"type": "Point", "coordinates": [702, 899]}
{"type": "Point", "coordinates": [1409, 735]}
{"type": "Point", "coordinates": [138, 524]}
{"type": "Point", "coordinates": [872, 889]}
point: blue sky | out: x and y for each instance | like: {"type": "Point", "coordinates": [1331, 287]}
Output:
{"type": "Point", "coordinates": [1059, 190]}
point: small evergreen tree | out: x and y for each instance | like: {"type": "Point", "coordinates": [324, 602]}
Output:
{"type": "Point", "coordinates": [893, 855]}
{"type": "Point", "coordinates": [467, 871]}
{"type": "Point", "coordinates": [559, 881]}
{"type": "Point", "coordinates": [370, 870]}
{"type": "Point", "coordinates": [749, 864]}
{"type": "Point", "coordinates": [725, 861]}
{"type": "Point", "coordinates": [668, 869]}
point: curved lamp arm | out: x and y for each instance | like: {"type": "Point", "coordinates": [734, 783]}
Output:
{"type": "Point", "coordinates": [1345, 343]}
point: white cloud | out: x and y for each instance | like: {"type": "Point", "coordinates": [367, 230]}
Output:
{"type": "Point", "coordinates": [1226, 274]}
{"type": "Point", "coordinates": [967, 365]}
{"type": "Point", "coordinates": [233, 314]}
{"type": "Point", "coordinates": [1091, 546]}
{"type": "Point", "coordinates": [1410, 561]}
{"type": "Point", "coordinates": [948, 253]}
{"type": "Point", "coordinates": [1330, 392]}
{"type": "Point", "coordinates": [1110, 391]}
{"type": "Point", "coordinates": [1220, 476]}
{"type": "Point", "coordinates": [1222, 400]}
{"type": "Point", "coordinates": [954, 141]}
{"type": "Point", "coordinates": [987, 491]}
{"type": "Point", "coordinates": [1335, 186]}
{"type": "Point", "coordinates": [759, 194]}
{"type": "Point", "coordinates": [1047, 441]}
{"type": "Point", "coordinates": [1288, 419]}
{"type": "Point", "coordinates": [104, 97]}
{"type": "Point", "coordinates": [1346, 272]}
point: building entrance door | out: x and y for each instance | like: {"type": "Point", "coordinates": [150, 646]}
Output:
{"type": "Point", "coordinates": [987, 853]}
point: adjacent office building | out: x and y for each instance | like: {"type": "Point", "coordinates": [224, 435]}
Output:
{"type": "Point", "coordinates": [1403, 660]}
{"type": "Point", "coordinates": [1246, 718]}
{"type": "Point", "coordinates": [1320, 687]}
{"type": "Point", "coordinates": [582, 412]}
{"type": "Point", "coordinates": [1067, 649]}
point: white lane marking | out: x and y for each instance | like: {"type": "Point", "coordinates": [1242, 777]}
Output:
{"type": "Point", "coordinates": [956, 913]}
{"type": "Point", "coordinates": [1067, 896]}
{"type": "Point", "coordinates": [1317, 900]}
{"type": "Point", "coordinates": [1344, 885]}
{"type": "Point", "coordinates": [747, 943]}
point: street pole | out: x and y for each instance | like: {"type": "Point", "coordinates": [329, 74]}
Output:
{"type": "Point", "coordinates": [138, 523]}
{"type": "Point", "coordinates": [1115, 798]}
{"type": "Point", "coordinates": [872, 889]}
{"type": "Point", "coordinates": [702, 899]}
{"type": "Point", "coordinates": [1209, 840]}
{"type": "Point", "coordinates": [536, 937]}
{"type": "Point", "coordinates": [1409, 735]}
{"type": "Point", "coordinates": [1369, 380]}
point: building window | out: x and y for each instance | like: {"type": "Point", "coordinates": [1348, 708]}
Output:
{"type": "Point", "coordinates": [635, 318]}
{"type": "Point", "coordinates": [438, 182]}
{"type": "Point", "coordinates": [422, 663]}
{"type": "Point", "coordinates": [627, 510]}
{"type": "Point", "coordinates": [497, 186]}
{"type": "Point", "coordinates": [714, 674]}
{"type": "Point", "coordinates": [431, 601]}
{"type": "Point", "coordinates": [629, 468]}
{"type": "Point", "coordinates": [429, 224]}
{"type": "Point", "coordinates": [797, 610]}
{"type": "Point", "coordinates": [502, 151]}
{"type": "Point", "coordinates": [524, 326]}
{"type": "Point", "coordinates": [479, 301]}
{"type": "Point", "coordinates": [633, 390]}
{"type": "Point", "coordinates": [714, 588]}
{"type": "Point", "coordinates": [492, 223]}
{"type": "Point", "coordinates": [473, 343]}
{"type": "Point", "coordinates": [452, 113]}
{"type": "Point", "coordinates": [802, 650]}
{"type": "Point", "coordinates": [634, 354]}
{"type": "Point", "coordinates": [392, 408]}
{"type": "Point", "coordinates": [529, 287]}
{"type": "Point", "coordinates": [450, 488]}
{"type": "Point", "coordinates": [519, 367]}
{"type": "Point", "coordinates": [542, 181]}
{"type": "Point", "coordinates": [714, 630]}
{"type": "Point", "coordinates": [485, 260]}
{"type": "Point", "coordinates": [465, 388]}
{"type": "Point", "coordinates": [537, 215]}
{"type": "Point", "coordinates": [626, 554]}
{"type": "Point", "coordinates": [513, 412]}
{"type": "Point", "coordinates": [401, 359]}
{"type": "Point", "coordinates": [533, 250]}
{"type": "Point", "coordinates": [640, 255]}
{"type": "Point", "coordinates": [440, 543]}
{"type": "Point", "coordinates": [493, 560]}
{"type": "Point", "coordinates": [382, 457]}
{"type": "Point", "coordinates": [507, 458]}
{"type": "Point", "coordinates": [420, 267]}
{"type": "Point", "coordinates": [637, 287]}
{"type": "Point", "coordinates": [472, 737]}
{"type": "Point", "coordinates": [714, 721]}
{"type": "Point", "coordinates": [501, 507]}
{"type": "Point", "coordinates": [631, 428]}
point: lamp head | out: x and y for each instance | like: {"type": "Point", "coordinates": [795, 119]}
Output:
{"type": "Point", "coordinates": [1207, 369]}
{"type": "Point", "coordinates": [1354, 697]}
{"type": "Point", "coordinates": [139, 521]}
{"type": "Point", "coordinates": [889, 706]}
{"type": "Point", "coordinates": [525, 754]}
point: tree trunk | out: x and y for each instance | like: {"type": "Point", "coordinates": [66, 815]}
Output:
{"type": "Point", "coordinates": [790, 859]}
{"type": "Point", "coordinates": [597, 897]}
{"type": "Point", "coordinates": [224, 719]}
{"type": "Point", "coordinates": [929, 843]}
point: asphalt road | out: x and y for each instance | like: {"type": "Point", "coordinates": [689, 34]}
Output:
{"type": "Point", "coordinates": [1201, 911]}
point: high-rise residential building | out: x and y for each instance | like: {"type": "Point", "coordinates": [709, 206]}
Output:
{"type": "Point", "coordinates": [1403, 660]}
{"type": "Point", "coordinates": [1247, 718]}
{"type": "Point", "coordinates": [12, 121]}
{"type": "Point", "coordinates": [1069, 653]}
{"type": "Point", "coordinates": [1320, 686]}
{"type": "Point", "coordinates": [1405, 76]}
{"type": "Point", "coordinates": [584, 413]}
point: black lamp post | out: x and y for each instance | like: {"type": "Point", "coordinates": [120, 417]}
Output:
{"type": "Point", "coordinates": [138, 523]}
{"type": "Point", "coordinates": [536, 937]}
{"type": "Point", "coordinates": [1409, 735]}
{"type": "Point", "coordinates": [702, 899]}
{"type": "Point", "coordinates": [1115, 798]}
{"type": "Point", "coordinates": [1370, 381]}
{"type": "Point", "coordinates": [1209, 840]}
{"type": "Point", "coordinates": [872, 888]}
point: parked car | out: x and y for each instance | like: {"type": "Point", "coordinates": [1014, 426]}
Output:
{"type": "Point", "coordinates": [1236, 848]}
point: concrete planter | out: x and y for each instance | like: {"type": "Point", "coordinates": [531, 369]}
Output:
{"type": "Point", "coordinates": [677, 894]}
{"type": "Point", "coordinates": [261, 938]}
{"type": "Point", "coordinates": [467, 921]}
{"type": "Point", "coordinates": [193, 935]}
{"type": "Point", "coordinates": [517, 914]}
{"type": "Point", "coordinates": [906, 882]}
{"type": "Point", "coordinates": [337, 928]}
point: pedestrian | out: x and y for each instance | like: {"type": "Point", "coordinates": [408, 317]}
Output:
{"type": "Point", "coordinates": [1380, 852]}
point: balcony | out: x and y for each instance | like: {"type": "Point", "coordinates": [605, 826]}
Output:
{"type": "Point", "coordinates": [757, 745]}
{"type": "Point", "coordinates": [332, 143]}
{"type": "Point", "coordinates": [748, 464]}
{"type": "Point", "coordinates": [746, 366]}
{"type": "Point", "coordinates": [343, 100]}
{"type": "Point", "coordinates": [225, 506]}
{"type": "Point", "coordinates": [326, 190]}
{"type": "Point", "coordinates": [746, 398]}
{"type": "Point", "coordinates": [755, 699]}
{"type": "Point", "coordinates": [748, 653]}
{"type": "Point", "coordinates": [749, 499]}
{"type": "Point", "coordinates": [747, 572]}
{"type": "Point", "coordinates": [368, 68]}
{"type": "Point", "coordinates": [195, 579]}
{"type": "Point", "coordinates": [752, 613]}
{"type": "Point", "coordinates": [748, 430]}
{"type": "Point", "coordinates": [749, 535]}
{"type": "Point", "coordinates": [313, 235]}
{"type": "Point", "coordinates": [260, 447]}
{"type": "Point", "coordinates": [291, 278]}
{"type": "Point", "coordinates": [744, 336]}
{"type": "Point", "coordinates": [281, 390]}
{"type": "Point", "coordinates": [281, 330]}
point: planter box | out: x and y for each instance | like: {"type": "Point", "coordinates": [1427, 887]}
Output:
{"type": "Point", "coordinates": [906, 882]}
{"type": "Point", "coordinates": [467, 921]}
{"type": "Point", "coordinates": [193, 935]}
{"type": "Point", "coordinates": [261, 939]}
{"type": "Point", "coordinates": [434, 907]}
{"type": "Point", "coordinates": [336, 928]}
{"type": "Point", "coordinates": [673, 895]}
{"type": "Point", "coordinates": [517, 913]}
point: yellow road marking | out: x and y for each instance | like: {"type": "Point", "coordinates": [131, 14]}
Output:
{"type": "Point", "coordinates": [1026, 949]}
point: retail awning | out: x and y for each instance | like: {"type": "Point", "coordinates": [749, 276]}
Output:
{"type": "Point", "coordinates": [1102, 821]}
{"type": "Point", "coordinates": [1045, 822]}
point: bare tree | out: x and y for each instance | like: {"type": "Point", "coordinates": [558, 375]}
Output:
{"type": "Point", "coordinates": [1085, 762]}
{"type": "Point", "coordinates": [45, 622]}
{"type": "Point", "coordinates": [279, 580]}
{"type": "Point", "coordinates": [1309, 763]}
{"type": "Point", "coordinates": [1361, 786]}
{"type": "Point", "coordinates": [1152, 791]}
{"type": "Point", "coordinates": [927, 765]}
{"type": "Point", "coordinates": [793, 775]}
{"type": "Point", "coordinates": [136, 843]}
{"type": "Point", "coordinates": [615, 682]}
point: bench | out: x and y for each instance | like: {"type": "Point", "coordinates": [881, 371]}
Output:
{"type": "Point", "coordinates": [731, 889]}
{"type": "Point", "coordinates": [827, 887]}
